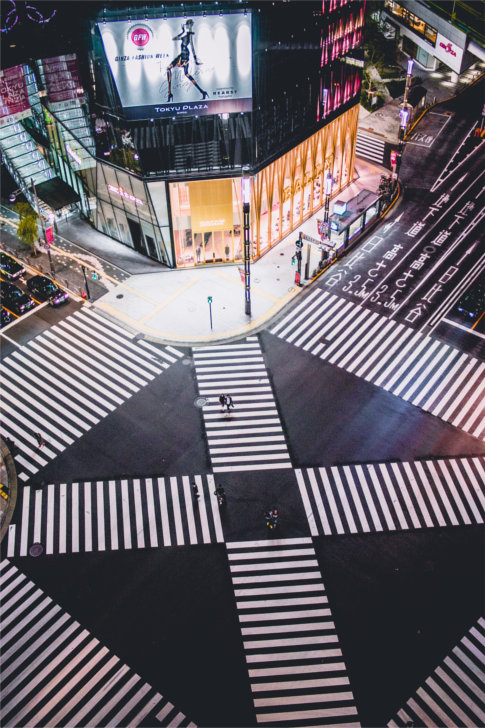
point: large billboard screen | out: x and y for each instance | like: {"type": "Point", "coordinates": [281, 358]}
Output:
{"type": "Point", "coordinates": [14, 100]}
{"type": "Point", "coordinates": [181, 66]}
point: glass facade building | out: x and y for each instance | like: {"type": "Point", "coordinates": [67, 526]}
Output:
{"type": "Point", "coordinates": [169, 186]}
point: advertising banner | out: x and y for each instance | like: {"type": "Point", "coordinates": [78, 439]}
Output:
{"type": "Point", "coordinates": [61, 77]}
{"type": "Point", "coordinates": [14, 100]}
{"type": "Point", "coordinates": [181, 66]}
{"type": "Point", "coordinates": [211, 205]}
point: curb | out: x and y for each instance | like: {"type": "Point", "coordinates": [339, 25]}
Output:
{"type": "Point", "coordinates": [9, 507]}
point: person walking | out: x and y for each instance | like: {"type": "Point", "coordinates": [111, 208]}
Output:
{"type": "Point", "coordinates": [229, 402]}
{"type": "Point", "coordinates": [195, 491]}
{"type": "Point", "coordinates": [222, 400]}
{"type": "Point", "coordinates": [40, 440]}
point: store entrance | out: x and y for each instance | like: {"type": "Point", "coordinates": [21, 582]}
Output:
{"type": "Point", "coordinates": [136, 236]}
{"type": "Point", "coordinates": [209, 248]}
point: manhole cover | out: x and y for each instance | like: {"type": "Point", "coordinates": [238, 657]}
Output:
{"type": "Point", "coordinates": [201, 402]}
{"type": "Point", "coordinates": [36, 549]}
{"type": "Point", "coordinates": [186, 362]}
{"type": "Point", "coordinates": [120, 295]}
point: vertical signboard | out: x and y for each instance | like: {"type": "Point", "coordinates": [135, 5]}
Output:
{"type": "Point", "coordinates": [14, 100]}
{"type": "Point", "coordinates": [181, 66]}
{"type": "Point", "coordinates": [62, 78]}
{"type": "Point", "coordinates": [448, 52]}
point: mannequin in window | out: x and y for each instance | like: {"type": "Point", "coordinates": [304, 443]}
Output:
{"type": "Point", "coordinates": [182, 60]}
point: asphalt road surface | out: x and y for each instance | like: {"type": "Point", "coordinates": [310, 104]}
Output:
{"type": "Point", "coordinates": [128, 601]}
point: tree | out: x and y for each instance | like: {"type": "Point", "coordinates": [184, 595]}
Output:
{"type": "Point", "coordinates": [27, 230]}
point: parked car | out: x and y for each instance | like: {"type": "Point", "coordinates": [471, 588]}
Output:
{"type": "Point", "coordinates": [46, 290]}
{"type": "Point", "coordinates": [9, 267]}
{"type": "Point", "coordinates": [14, 299]}
{"type": "Point", "coordinates": [5, 317]}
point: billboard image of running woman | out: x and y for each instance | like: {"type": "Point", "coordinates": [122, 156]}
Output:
{"type": "Point", "coordinates": [182, 60]}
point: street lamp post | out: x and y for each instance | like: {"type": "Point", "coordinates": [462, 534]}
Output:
{"type": "Point", "coordinates": [246, 200]}
{"type": "Point", "coordinates": [404, 115]}
{"type": "Point", "coordinates": [47, 244]}
{"type": "Point", "coordinates": [326, 211]}
{"type": "Point", "coordinates": [87, 287]}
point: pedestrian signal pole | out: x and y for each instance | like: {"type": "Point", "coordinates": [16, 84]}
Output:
{"type": "Point", "coordinates": [209, 301]}
{"type": "Point", "coordinates": [299, 246]}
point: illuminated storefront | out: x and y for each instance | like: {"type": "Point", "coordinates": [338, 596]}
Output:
{"type": "Point", "coordinates": [207, 214]}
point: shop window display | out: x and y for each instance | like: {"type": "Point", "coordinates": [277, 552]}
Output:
{"type": "Point", "coordinates": [207, 214]}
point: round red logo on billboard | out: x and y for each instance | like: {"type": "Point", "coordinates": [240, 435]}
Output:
{"type": "Point", "coordinates": [140, 36]}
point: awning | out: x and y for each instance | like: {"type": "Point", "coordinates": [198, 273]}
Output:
{"type": "Point", "coordinates": [56, 193]}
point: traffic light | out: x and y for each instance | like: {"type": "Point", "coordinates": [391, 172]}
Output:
{"type": "Point", "coordinates": [95, 276]}
{"type": "Point", "coordinates": [209, 299]}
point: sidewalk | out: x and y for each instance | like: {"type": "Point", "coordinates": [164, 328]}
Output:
{"type": "Point", "coordinates": [384, 123]}
{"type": "Point", "coordinates": [171, 306]}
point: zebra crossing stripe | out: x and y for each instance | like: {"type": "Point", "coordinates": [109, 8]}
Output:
{"type": "Point", "coordinates": [54, 671]}
{"type": "Point", "coordinates": [308, 679]}
{"type": "Point", "coordinates": [420, 369]}
{"type": "Point", "coordinates": [74, 398]}
{"type": "Point", "coordinates": [239, 369]}
{"type": "Point", "coordinates": [115, 515]}
{"type": "Point", "coordinates": [453, 695]}
{"type": "Point", "coordinates": [393, 496]}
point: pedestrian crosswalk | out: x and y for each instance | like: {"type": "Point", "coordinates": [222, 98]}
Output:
{"type": "Point", "coordinates": [54, 673]}
{"type": "Point", "coordinates": [369, 147]}
{"type": "Point", "coordinates": [115, 515]}
{"type": "Point", "coordinates": [454, 694]}
{"type": "Point", "coordinates": [296, 669]}
{"type": "Point", "coordinates": [64, 381]}
{"type": "Point", "coordinates": [393, 496]}
{"type": "Point", "coordinates": [250, 437]}
{"type": "Point", "coordinates": [420, 369]}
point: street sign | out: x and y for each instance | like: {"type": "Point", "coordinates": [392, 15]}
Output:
{"type": "Point", "coordinates": [299, 244]}
{"type": "Point", "coordinates": [393, 157]}
{"type": "Point", "coordinates": [49, 235]}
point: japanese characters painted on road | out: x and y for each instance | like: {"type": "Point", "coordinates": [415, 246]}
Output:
{"type": "Point", "coordinates": [181, 66]}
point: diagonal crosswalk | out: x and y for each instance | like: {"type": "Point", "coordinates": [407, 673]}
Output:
{"type": "Point", "coordinates": [115, 515]}
{"type": "Point", "coordinates": [420, 369]}
{"type": "Point", "coordinates": [64, 381]}
{"type": "Point", "coordinates": [454, 694]}
{"type": "Point", "coordinates": [393, 496]}
{"type": "Point", "coordinates": [296, 669]}
{"type": "Point", "coordinates": [54, 673]}
{"type": "Point", "coordinates": [251, 437]}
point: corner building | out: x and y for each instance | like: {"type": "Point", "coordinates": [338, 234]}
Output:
{"type": "Point", "coordinates": [184, 96]}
